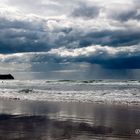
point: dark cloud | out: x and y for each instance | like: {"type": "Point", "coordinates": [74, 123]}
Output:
{"type": "Point", "coordinates": [19, 40]}
{"type": "Point", "coordinates": [105, 56]}
{"type": "Point", "coordinates": [86, 11]}
{"type": "Point", "coordinates": [127, 16]}
{"type": "Point", "coordinates": [119, 62]}
{"type": "Point", "coordinates": [19, 35]}
{"type": "Point", "coordinates": [125, 13]}
{"type": "Point", "coordinates": [24, 36]}
{"type": "Point", "coordinates": [6, 23]}
{"type": "Point", "coordinates": [114, 38]}
{"type": "Point", "coordinates": [122, 63]}
{"type": "Point", "coordinates": [96, 39]}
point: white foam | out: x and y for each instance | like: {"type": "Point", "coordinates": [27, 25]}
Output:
{"type": "Point", "coordinates": [124, 92]}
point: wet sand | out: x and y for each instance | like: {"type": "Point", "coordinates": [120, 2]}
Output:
{"type": "Point", "coordinates": [30, 120]}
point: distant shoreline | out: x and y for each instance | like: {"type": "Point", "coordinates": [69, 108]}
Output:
{"type": "Point", "coordinates": [6, 77]}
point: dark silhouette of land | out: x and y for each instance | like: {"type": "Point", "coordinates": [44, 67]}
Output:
{"type": "Point", "coordinates": [6, 76]}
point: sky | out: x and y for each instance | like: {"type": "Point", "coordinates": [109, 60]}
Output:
{"type": "Point", "coordinates": [76, 39]}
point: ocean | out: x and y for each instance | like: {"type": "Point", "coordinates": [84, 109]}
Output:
{"type": "Point", "coordinates": [97, 91]}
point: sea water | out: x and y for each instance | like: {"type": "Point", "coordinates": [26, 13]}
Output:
{"type": "Point", "coordinates": [100, 91]}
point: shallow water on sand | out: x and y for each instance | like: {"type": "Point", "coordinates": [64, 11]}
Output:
{"type": "Point", "coordinates": [67, 121]}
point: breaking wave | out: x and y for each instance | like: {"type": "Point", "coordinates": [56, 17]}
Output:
{"type": "Point", "coordinates": [100, 91]}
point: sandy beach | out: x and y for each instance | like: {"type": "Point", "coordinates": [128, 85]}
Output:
{"type": "Point", "coordinates": [38, 120]}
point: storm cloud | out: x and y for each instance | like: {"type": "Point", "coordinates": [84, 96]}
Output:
{"type": "Point", "coordinates": [107, 57]}
{"type": "Point", "coordinates": [95, 32]}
